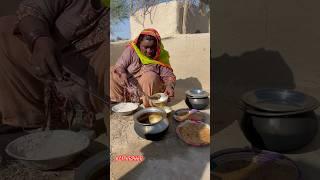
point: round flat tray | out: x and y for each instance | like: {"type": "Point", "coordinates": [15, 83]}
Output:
{"type": "Point", "coordinates": [279, 100]}
{"type": "Point", "coordinates": [132, 107]}
{"type": "Point", "coordinates": [192, 122]}
{"type": "Point", "coordinates": [251, 164]}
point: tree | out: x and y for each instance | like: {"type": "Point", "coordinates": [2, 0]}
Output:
{"type": "Point", "coordinates": [123, 9]}
{"type": "Point", "coordinates": [119, 11]}
{"type": "Point", "coordinates": [146, 7]}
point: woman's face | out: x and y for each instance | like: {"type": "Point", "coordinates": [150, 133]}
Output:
{"type": "Point", "coordinates": [148, 47]}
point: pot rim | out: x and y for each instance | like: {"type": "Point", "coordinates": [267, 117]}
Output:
{"type": "Point", "coordinates": [149, 110]}
{"type": "Point", "coordinates": [249, 110]}
{"type": "Point", "coordinates": [204, 95]}
{"type": "Point", "coordinates": [313, 101]}
{"type": "Point", "coordinates": [193, 97]}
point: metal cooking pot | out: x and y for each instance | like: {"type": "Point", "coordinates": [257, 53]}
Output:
{"type": "Point", "coordinates": [197, 99]}
{"type": "Point", "coordinates": [150, 131]}
{"type": "Point", "coordinates": [281, 133]}
{"type": "Point", "coordinates": [197, 103]}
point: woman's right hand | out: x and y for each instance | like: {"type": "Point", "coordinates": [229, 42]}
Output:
{"type": "Point", "coordinates": [121, 77]}
{"type": "Point", "coordinates": [44, 59]}
{"type": "Point", "coordinates": [124, 79]}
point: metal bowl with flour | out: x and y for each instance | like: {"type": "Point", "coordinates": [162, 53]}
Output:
{"type": "Point", "coordinates": [125, 108]}
{"type": "Point", "coordinates": [48, 150]}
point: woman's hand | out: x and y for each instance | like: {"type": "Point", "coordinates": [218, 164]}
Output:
{"type": "Point", "coordinates": [121, 77]}
{"type": "Point", "coordinates": [169, 91]}
{"type": "Point", "coordinates": [44, 59]}
{"type": "Point", "coordinates": [124, 79]}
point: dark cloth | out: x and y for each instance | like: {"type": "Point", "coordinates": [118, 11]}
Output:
{"type": "Point", "coordinates": [81, 31]}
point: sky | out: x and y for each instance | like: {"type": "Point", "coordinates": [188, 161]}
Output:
{"type": "Point", "coordinates": [121, 30]}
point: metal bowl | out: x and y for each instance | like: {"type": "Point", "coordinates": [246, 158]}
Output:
{"type": "Point", "coordinates": [161, 101]}
{"type": "Point", "coordinates": [154, 131]}
{"type": "Point", "coordinates": [125, 109]}
{"type": "Point", "coordinates": [181, 113]}
{"type": "Point", "coordinates": [48, 150]}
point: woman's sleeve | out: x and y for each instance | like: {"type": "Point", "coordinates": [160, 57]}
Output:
{"type": "Point", "coordinates": [45, 10]}
{"type": "Point", "coordinates": [167, 76]}
{"type": "Point", "coordinates": [124, 60]}
{"type": "Point", "coordinates": [37, 17]}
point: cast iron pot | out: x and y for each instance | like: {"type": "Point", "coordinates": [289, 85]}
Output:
{"type": "Point", "coordinates": [197, 99]}
{"type": "Point", "coordinates": [197, 103]}
{"type": "Point", "coordinates": [148, 131]}
{"type": "Point", "coordinates": [280, 132]}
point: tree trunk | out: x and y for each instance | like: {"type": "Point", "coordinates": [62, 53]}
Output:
{"type": "Point", "coordinates": [185, 15]}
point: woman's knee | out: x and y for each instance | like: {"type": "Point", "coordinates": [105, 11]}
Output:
{"type": "Point", "coordinates": [151, 78]}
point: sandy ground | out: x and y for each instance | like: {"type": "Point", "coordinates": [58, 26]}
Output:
{"type": "Point", "coordinates": [167, 159]}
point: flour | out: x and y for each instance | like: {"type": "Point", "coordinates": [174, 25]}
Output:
{"type": "Point", "coordinates": [125, 107]}
{"type": "Point", "coordinates": [48, 145]}
{"type": "Point", "coordinates": [160, 98]}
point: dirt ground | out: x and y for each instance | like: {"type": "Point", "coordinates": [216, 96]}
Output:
{"type": "Point", "coordinates": [167, 159]}
{"type": "Point", "coordinates": [16, 171]}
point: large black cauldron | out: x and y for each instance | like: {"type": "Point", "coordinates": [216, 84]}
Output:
{"type": "Point", "coordinates": [279, 130]}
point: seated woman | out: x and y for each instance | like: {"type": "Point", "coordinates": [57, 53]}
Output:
{"type": "Point", "coordinates": [46, 51]}
{"type": "Point", "coordinates": [143, 66]}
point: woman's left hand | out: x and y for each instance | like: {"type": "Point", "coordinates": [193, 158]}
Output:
{"type": "Point", "coordinates": [169, 91]}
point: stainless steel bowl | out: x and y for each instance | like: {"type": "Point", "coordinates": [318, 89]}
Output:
{"type": "Point", "coordinates": [48, 150]}
{"type": "Point", "coordinates": [150, 131]}
{"type": "Point", "coordinates": [132, 107]}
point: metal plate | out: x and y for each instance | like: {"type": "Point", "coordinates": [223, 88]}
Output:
{"type": "Point", "coordinates": [192, 122]}
{"type": "Point", "coordinates": [48, 150]}
{"type": "Point", "coordinates": [279, 100]}
{"type": "Point", "coordinates": [252, 164]}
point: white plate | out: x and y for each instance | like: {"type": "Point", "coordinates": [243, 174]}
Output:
{"type": "Point", "coordinates": [125, 108]}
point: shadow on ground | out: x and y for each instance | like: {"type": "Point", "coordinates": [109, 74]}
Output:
{"type": "Point", "coordinates": [171, 156]}
{"type": "Point", "coordinates": [308, 171]}
{"type": "Point", "coordinates": [182, 85]}
{"type": "Point", "coordinates": [235, 75]}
